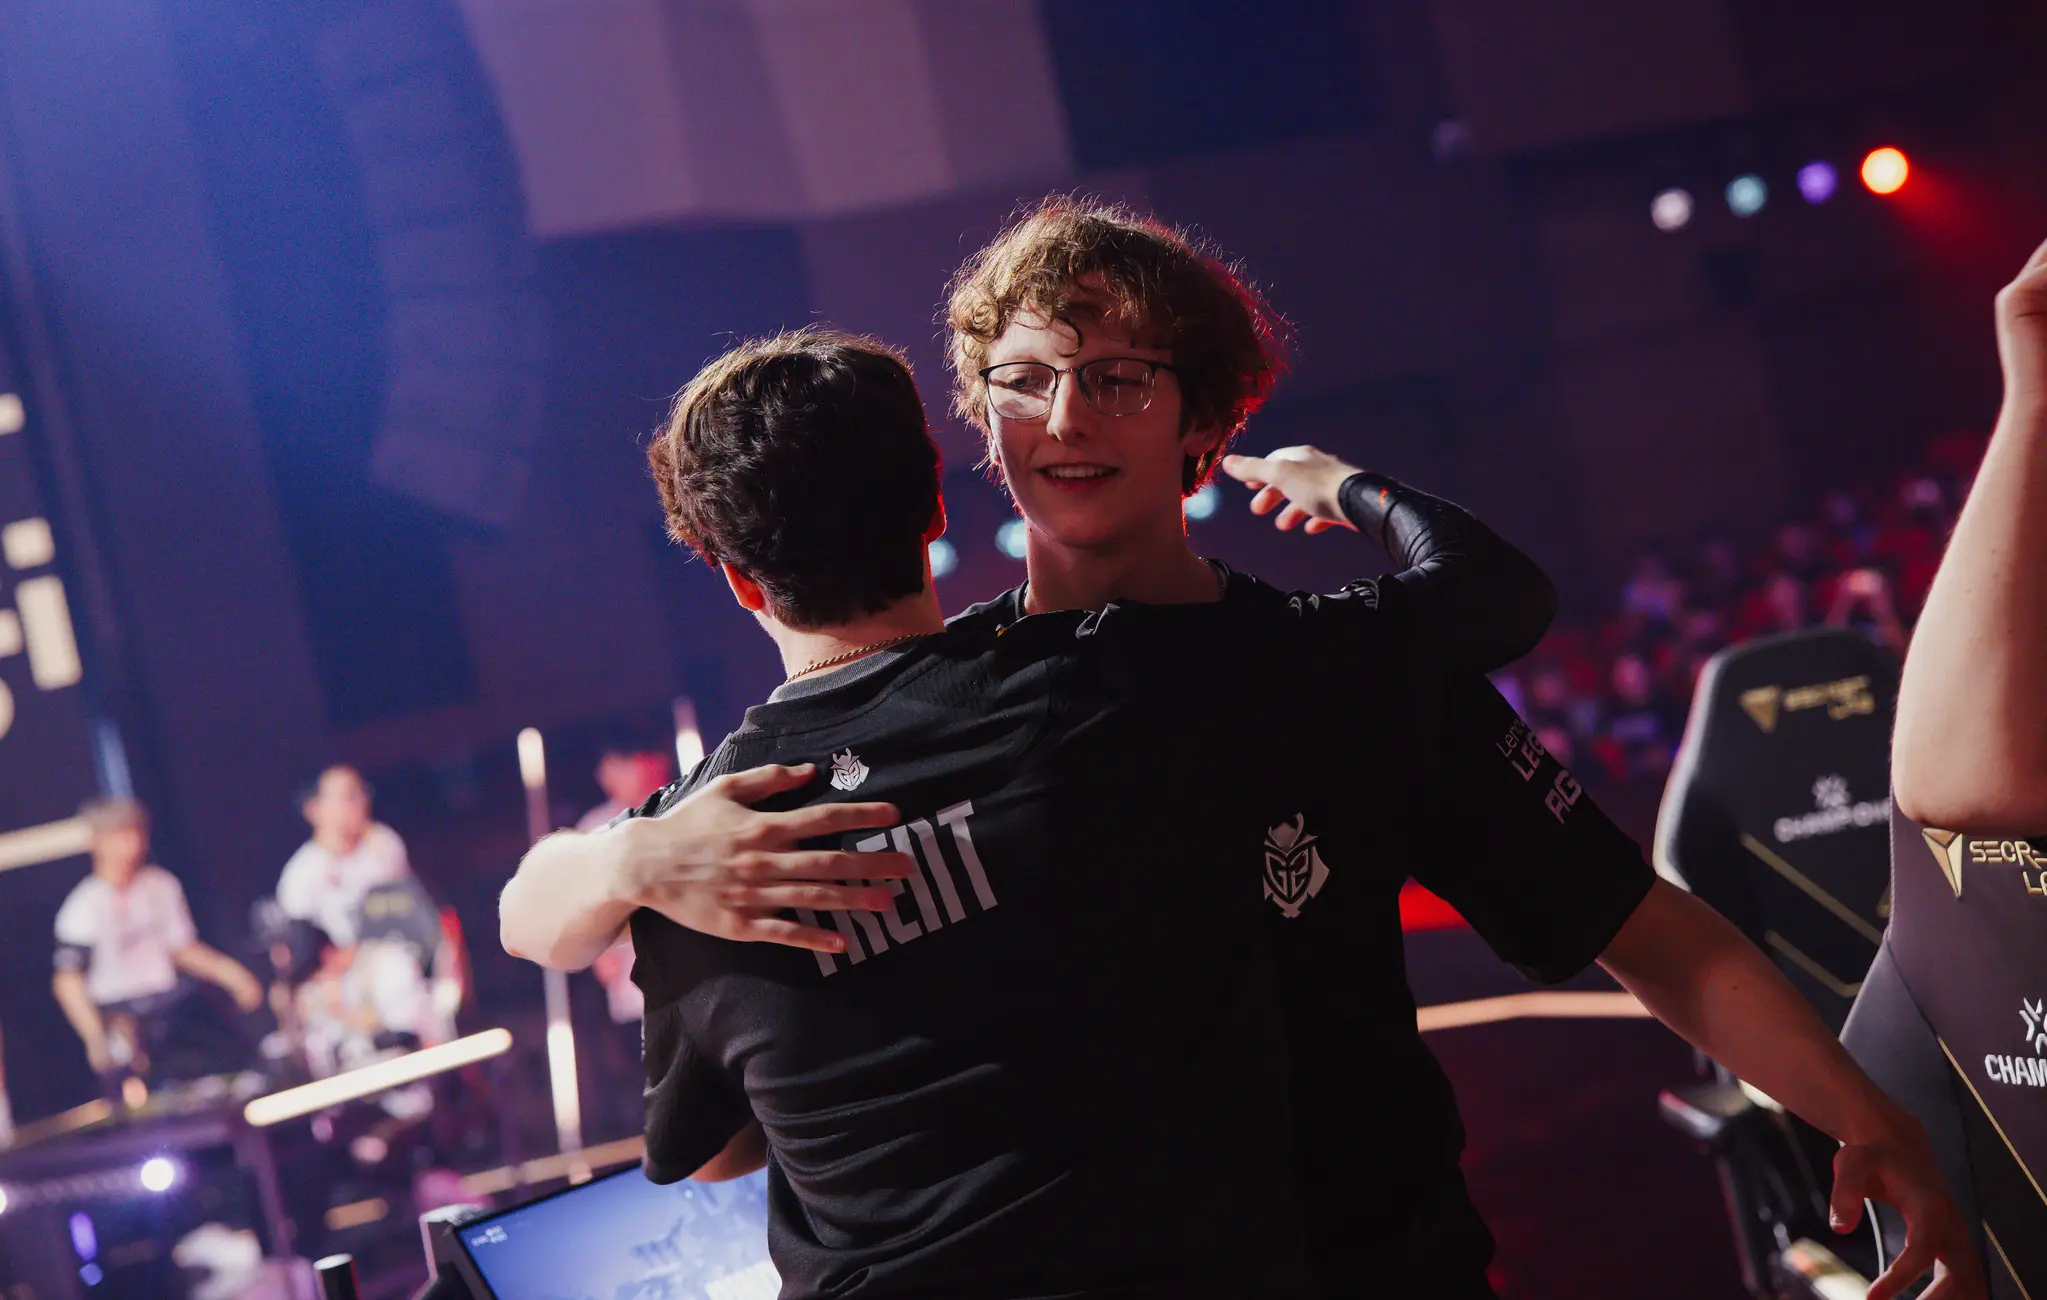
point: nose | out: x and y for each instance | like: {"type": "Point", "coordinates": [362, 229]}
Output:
{"type": "Point", "coordinates": [1070, 418]}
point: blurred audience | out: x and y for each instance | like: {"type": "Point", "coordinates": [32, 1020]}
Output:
{"type": "Point", "coordinates": [348, 855]}
{"type": "Point", "coordinates": [1611, 699]}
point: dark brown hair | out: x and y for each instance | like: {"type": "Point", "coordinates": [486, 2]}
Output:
{"type": "Point", "coordinates": [1077, 260]}
{"type": "Point", "coordinates": [804, 462]}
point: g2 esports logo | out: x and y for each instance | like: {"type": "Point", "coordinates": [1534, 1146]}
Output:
{"type": "Point", "coordinates": [1294, 870]}
{"type": "Point", "coordinates": [2022, 1071]}
{"type": "Point", "coordinates": [848, 772]}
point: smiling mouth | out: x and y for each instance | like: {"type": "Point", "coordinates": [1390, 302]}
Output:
{"type": "Point", "coordinates": [1078, 473]}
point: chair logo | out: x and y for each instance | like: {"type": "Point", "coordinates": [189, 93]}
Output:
{"type": "Point", "coordinates": [1947, 849]}
{"type": "Point", "coordinates": [1849, 697]}
{"type": "Point", "coordinates": [2023, 1071]}
{"type": "Point", "coordinates": [1294, 870]}
{"type": "Point", "coordinates": [1833, 810]}
{"type": "Point", "coordinates": [1761, 704]}
{"type": "Point", "coordinates": [848, 772]}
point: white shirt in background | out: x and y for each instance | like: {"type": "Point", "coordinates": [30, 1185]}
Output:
{"type": "Point", "coordinates": [326, 888]}
{"type": "Point", "coordinates": [129, 933]}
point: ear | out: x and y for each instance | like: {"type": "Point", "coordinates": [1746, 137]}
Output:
{"type": "Point", "coordinates": [745, 590]}
{"type": "Point", "coordinates": [936, 529]}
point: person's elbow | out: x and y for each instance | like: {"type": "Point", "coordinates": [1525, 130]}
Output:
{"type": "Point", "coordinates": [1961, 792]}
{"type": "Point", "coordinates": [523, 928]}
{"type": "Point", "coordinates": [531, 931]}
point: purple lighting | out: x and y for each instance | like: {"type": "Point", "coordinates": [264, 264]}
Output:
{"type": "Point", "coordinates": [1816, 182]}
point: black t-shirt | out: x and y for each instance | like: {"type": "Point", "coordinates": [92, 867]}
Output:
{"type": "Point", "coordinates": [1310, 747]}
{"type": "Point", "coordinates": [1057, 1066]}
{"type": "Point", "coordinates": [1431, 775]}
{"type": "Point", "coordinates": [1372, 763]}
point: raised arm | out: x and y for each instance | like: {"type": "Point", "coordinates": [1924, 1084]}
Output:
{"type": "Point", "coordinates": [708, 862]}
{"type": "Point", "coordinates": [1970, 751]}
{"type": "Point", "coordinates": [1481, 599]}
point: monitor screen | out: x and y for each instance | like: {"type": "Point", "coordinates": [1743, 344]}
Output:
{"type": "Point", "coordinates": [621, 1237]}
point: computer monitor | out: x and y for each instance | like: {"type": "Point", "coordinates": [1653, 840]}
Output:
{"type": "Point", "coordinates": [621, 1237]}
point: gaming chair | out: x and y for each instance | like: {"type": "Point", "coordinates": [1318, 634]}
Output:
{"type": "Point", "coordinates": [1776, 814]}
{"type": "Point", "coordinates": [1952, 1023]}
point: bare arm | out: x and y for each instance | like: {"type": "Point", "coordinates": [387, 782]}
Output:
{"type": "Point", "coordinates": [569, 899]}
{"type": "Point", "coordinates": [1970, 751]}
{"type": "Point", "coordinates": [84, 1015]}
{"type": "Point", "coordinates": [216, 967]}
{"type": "Point", "coordinates": [1703, 979]}
{"type": "Point", "coordinates": [746, 1152]}
{"type": "Point", "coordinates": [710, 864]}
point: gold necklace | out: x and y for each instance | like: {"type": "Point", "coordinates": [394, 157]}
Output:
{"type": "Point", "coordinates": [854, 653]}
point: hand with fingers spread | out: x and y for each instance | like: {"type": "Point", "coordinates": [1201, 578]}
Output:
{"type": "Point", "coordinates": [1306, 479]}
{"type": "Point", "coordinates": [1899, 1170]}
{"type": "Point", "coordinates": [715, 865]}
{"type": "Point", "coordinates": [710, 863]}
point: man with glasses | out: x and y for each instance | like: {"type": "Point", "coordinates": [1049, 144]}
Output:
{"type": "Point", "coordinates": [1041, 1055]}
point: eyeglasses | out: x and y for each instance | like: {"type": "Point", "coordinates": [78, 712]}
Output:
{"type": "Point", "coordinates": [1023, 390]}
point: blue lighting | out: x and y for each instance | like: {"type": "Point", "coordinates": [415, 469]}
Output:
{"type": "Point", "coordinates": [1203, 503]}
{"type": "Point", "coordinates": [91, 1275]}
{"type": "Point", "coordinates": [83, 1239]}
{"type": "Point", "coordinates": [1746, 195]}
{"type": "Point", "coordinates": [944, 557]}
{"type": "Point", "coordinates": [1010, 538]}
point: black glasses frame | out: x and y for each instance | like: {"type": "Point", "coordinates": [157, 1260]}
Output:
{"type": "Point", "coordinates": [1087, 391]}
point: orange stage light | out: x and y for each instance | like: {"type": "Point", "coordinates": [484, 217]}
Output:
{"type": "Point", "coordinates": [1884, 171]}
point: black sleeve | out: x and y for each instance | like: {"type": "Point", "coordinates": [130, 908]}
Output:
{"type": "Point", "coordinates": [693, 1109]}
{"type": "Point", "coordinates": [1476, 597]}
{"type": "Point", "coordinates": [1518, 847]}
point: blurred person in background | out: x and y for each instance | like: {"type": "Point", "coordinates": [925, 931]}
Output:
{"type": "Point", "coordinates": [1862, 600]}
{"type": "Point", "coordinates": [124, 940]}
{"type": "Point", "coordinates": [1970, 749]}
{"type": "Point", "coordinates": [348, 855]}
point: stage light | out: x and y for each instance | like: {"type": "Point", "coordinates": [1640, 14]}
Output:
{"type": "Point", "coordinates": [1884, 171]}
{"type": "Point", "coordinates": [1203, 503]}
{"type": "Point", "coordinates": [1671, 210]}
{"type": "Point", "coordinates": [945, 557]}
{"type": "Point", "coordinates": [381, 1076]}
{"type": "Point", "coordinates": [91, 1275]}
{"type": "Point", "coordinates": [689, 740]}
{"type": "Point", "coordinates": [3, 1200]}
{"type": "Point", "coordinates": [158, 1174]}
{"type": "Point", "coordinates": [1816, 181]}
{"type": "Point", "coordinates": [84, 1239]}
{"type": "Point", "coordinates": [532, 759]}
{"type": "Point", "coordinates": [1746, 195]}
{"type": "Point", "coordinates": [1012, 537]}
